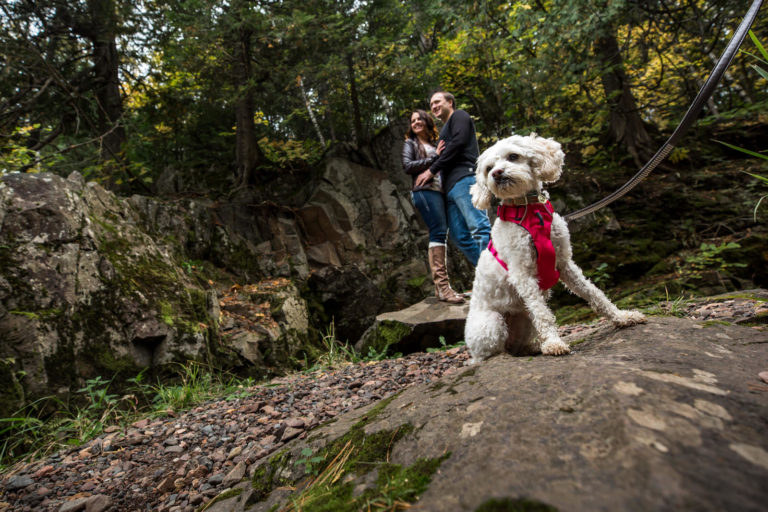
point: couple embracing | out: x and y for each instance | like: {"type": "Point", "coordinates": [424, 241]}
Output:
{"type": "Point", "coordinates": [443, 170]}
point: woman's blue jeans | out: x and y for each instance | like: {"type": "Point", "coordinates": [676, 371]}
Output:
{"type": "Point", "coordinates": [431, 206]}
{"type": "Point", "coordinates": [468, 227]}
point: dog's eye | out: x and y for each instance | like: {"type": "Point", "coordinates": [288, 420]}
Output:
{"type": "Point", "coordinates": [488, 169]}
{"type": "Point", "coordinates": [512, 157]}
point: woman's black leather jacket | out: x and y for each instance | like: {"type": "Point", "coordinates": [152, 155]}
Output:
{"type": "Point", "coordinates": [413, 162]}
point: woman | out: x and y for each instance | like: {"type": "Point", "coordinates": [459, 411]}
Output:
{"type": "Point", "coordinates": [419, 151]}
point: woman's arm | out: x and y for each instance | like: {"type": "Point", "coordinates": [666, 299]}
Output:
{"type": "Point", "coordinates": [412, 163]}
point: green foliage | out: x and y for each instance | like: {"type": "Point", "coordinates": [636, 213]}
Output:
{"type": "Point", "coordinates": [763, 73]}
{"type": "Point", "coordinates": [20, 434]}
{"type": "Point", "coordinates": [337, 71]}
{"type": "Point", "coordinates": [286, 152]}
{"type": "Point", "coordinates": [191, 266]}
{"type": "Point", "coordinates": [677, 307]}
{"type": "Point", "coordinates": [444, 345]}
{"type": "Point", "coordinates": [336, 353]}
{"type": "Point", "coordinates": [417, 281]}
{"type": "Point", "coordinates": [197, 383]}
{"type": "Point", "coordinates": [380, 355]}
{"type": "Point", "coordinates": [599, 274]}
{"type": "Point", "coordinates": [763, 53]}
{"type": "Point", "coordinates": [709, 257]}
{"type": "Point", "coordinates": [17, 154]}
{"type": "Point", "coordinates": [354, 454]}
{"type": "Point", "coordinates": [97, 396]}
{"type": "Point", "coordinates": [386, 334]}
{"type": "Point", "coordinates": [32, 431]}
{"type": "Point", "coordinates": [309, 462]}
{"type": "Point", "coordinates": [49, 424]}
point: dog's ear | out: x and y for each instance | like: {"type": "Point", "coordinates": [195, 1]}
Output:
{"type": "Point", "coordinates": [481, 195]}
{"type": "Point", "coordinates": [549, 159]}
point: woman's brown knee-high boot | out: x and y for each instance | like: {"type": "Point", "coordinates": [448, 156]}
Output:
{"type": "Point", "coordinates": [440, 276]}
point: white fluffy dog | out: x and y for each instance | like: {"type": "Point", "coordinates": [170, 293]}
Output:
{"type": "Point", "coordinates": [508, 310]}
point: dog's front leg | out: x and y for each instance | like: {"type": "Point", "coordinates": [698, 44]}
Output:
{"type": "Point", "coordinates": [527, 287]}
{"type": "Point", "coordinates": [572, 277]}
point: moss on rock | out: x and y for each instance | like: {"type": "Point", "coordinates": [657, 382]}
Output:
{"type": "Point", "coordinates": [383, 335]}
{"type": "Point", "coordinates": [330, 486]}
{"type": "Point", "coordinates": [270, 475]}
{"type": "Point", "coordinates": [231, 493]}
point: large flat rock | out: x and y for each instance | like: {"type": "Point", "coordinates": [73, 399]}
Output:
{"type": "Point", "coordinates": [415, 328]}
{"type": "Point", "coordinates": [671, 415]}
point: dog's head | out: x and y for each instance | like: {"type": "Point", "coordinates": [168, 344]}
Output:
{"type": "Point", "coordinates": [515, 166]}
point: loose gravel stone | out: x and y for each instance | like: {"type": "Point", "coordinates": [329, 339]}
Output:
{"type": "Point", "coordinates": [98, 503]}
{"type": "Point", "coordinates": [20, 482]}
{"type": "Point", "coordinates": [216, 479]}
{"type": "Point", "coordinates": [234, 476]}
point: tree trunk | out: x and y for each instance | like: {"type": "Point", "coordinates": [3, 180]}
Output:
{"type": "Point", "coordinates": [103, 21]}
{"type": "Point", "coordinates": [248, 155]}
{"type": "Point", "coordinates": [625, 125]}
{"type": "Point", "coordinates": [358, 135]}
{"type": "Point", "coordinates": [308, 104]}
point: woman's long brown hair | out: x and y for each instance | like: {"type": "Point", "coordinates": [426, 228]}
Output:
{"type": "Point", "coordinates": [428, 122]}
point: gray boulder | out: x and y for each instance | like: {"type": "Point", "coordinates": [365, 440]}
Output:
{"type": "Point", "coordinates": [264, 327]}
{"type": "Point", "coordinates": [416, 328]}
{"type": "Point", "coordinates": [85, 291]}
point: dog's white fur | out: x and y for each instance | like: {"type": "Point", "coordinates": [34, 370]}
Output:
{"type": "Point", "coordinates": [508, 310]}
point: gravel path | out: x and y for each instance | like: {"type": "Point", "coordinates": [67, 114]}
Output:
{"type": "Point", "coordinates": [179, 464]}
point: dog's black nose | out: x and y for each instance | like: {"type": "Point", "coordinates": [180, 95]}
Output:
{"type": "Point", "coordinates": [498, 175]}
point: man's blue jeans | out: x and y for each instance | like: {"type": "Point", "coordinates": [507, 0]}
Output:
{"type": "Point", "coordinates": [468, 227]}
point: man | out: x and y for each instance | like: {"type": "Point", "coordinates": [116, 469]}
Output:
{"type": "Point", "coordinates": [468, 227]}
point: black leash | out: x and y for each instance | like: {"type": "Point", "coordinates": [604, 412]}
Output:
{"type": "Point", "coordinates": [690, 117]}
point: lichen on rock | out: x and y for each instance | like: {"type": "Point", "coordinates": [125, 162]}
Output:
{"type": "Point", "coordinates": [84, 291]}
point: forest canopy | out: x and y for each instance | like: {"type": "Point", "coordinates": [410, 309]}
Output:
{"type": "Point", "coordinates": [124, 90]}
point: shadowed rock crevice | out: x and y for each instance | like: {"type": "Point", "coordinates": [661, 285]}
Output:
{"type": "Point", "coordinates": [144, 349]}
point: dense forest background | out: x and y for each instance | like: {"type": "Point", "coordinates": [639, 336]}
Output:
{"type": "Point", "coordinates": [223, 92]}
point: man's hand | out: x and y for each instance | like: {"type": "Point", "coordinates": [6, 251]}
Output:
{"type": "Point", "coordinates": [440, 146]}
{"type": "Point", "coordinates": [424, 178]}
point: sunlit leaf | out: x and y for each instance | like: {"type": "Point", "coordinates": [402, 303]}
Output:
{"type": "Point", "coordinates": [746, 151]}
{"type": "Point", "coordinates": [759, 45]}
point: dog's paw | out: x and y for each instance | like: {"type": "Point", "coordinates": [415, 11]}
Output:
{"type": "Point", "coordinates": [626, 318]}
{"type": "Point", "coordinates": [554, 348]}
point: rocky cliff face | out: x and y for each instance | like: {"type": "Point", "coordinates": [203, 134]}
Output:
{"type": "Point", "coordinates": [92, 284]}
{"type": "Point", "coordinates": [84, 291]}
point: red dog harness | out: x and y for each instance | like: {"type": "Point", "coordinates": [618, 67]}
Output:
{"type": "Point", "coordinates": [537, 220]}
